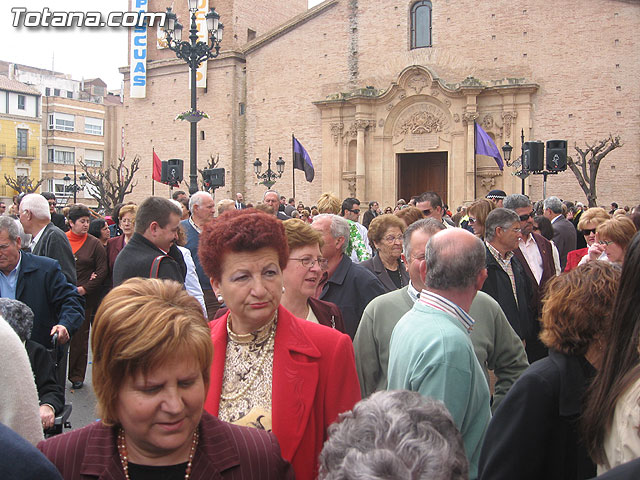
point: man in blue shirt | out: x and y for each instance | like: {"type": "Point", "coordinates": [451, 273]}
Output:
{"type": "Point", "coordinates": [39, 283]}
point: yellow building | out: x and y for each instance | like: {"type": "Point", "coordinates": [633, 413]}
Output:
{"type": "Point", "coordinates": [20, 133]}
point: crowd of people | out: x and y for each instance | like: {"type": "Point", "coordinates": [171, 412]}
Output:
{"type": "Point", "coordinates": [276, 340]}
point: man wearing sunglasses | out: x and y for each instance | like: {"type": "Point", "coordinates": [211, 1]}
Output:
{"type": "Point", "coordinates": [430, 204]}
{"type": "Point", "coordinates": [535, 254]}
{"type": "Point", "coordinates": [359, 247]}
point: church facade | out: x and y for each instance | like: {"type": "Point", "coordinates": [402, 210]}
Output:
{"type": "Point", "coordinates": [384, 96]}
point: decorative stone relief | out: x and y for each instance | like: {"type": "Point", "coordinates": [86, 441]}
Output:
{"type": "Point", "coordinates": [487, 179]}
{"type": "Point", "coordinates": [447, 102]}
{"type": "Point", "coordinates": [417, 82]}
{"type": "Point", "coordinates": [435, 93]}
{"type": "Point", "coordinates": [456, 118]}
{"type": "Point", "coordinates": [487, 122]}
{"type": "Point", "coordinates": [350, 178]}
{"type": "Point", "coordinates": [508, 119]}
{"type": "Point", "coordinates": [381, 123]}
{"type": "Point", "coordinates": [422, 119]}
{"type": "Point", "coordinates": [469, 117]}
{"type": "Point", "coordinates": [336, 131]}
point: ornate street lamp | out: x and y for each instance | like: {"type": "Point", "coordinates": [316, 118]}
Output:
{"type": "Point", "coordinates": [268, 176]}
{"type": "Point", "coordinates": [194, 52]}
{"type": "Point", "coordinates": [74, 187]}
{"type": "Point", "coordinates": [518, 162]}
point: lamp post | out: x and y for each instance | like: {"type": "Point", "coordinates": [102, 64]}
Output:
{"type": "Point", "coordinates": [268, 176]}
{"type": "Point", "coordinates": [518, 162]}
{"type": "Point", "coordinates": [194, 52]}
{"type": "Point", "coordinates": [74, 187]}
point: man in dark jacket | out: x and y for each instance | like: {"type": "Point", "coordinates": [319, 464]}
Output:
{"type": "Point", "coordinates": [56, 218]}
{"type": "Point", "coordinates": [202, 208]}
{"type": "Point", "coordinates": [349, 285]}
{"type": "Point", "coordinates": [564, 233]}
{"type": "Point", "coordinates": [151, 252]}
{"type": "Point", "coordinates": [506, 282]}
{"type": "Point", "coordinates": [39, 283]}
{"type": "Point", "coordinates": [47, 240]}
{"type": "Point", "coordinates": [535, 254]}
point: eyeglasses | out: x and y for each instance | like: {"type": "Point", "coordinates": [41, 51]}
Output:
{"type": "Point", "coordinates": [472, 220]}
{"type": "Point", "coordinates": [309, 262]}
{"type": "Point", "coordinates": [587, 231]}
{"type": "Point", "coordinates": [526, 216]}
{"type": "Point", "coordinates": [356, 211]}
{"type": "Point", "coordinates": [427, 212]}
{"type": "Point", "coordinates": [605, 242]}
{"type": "Point", "coordinates": [517, 230]}
{"type": "Point", "coordinates": [52, 203]}
{"type": "Point", "coordinates": [393, 239]}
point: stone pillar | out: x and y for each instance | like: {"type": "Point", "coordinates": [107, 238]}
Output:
{"type": "Point", "coordinates": [361, 126]}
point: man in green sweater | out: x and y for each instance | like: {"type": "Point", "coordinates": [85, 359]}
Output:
{"type": "Point", "coordinates": [495, 344]}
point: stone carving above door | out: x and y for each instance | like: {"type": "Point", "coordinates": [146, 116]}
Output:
{"type": "Point", "coordinates": [421, 119]}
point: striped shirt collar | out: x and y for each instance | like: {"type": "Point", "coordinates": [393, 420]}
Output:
{"type": "Point", "coordinates": [438, 302]}
{"type": "Point", "coordinates": [195, 227]}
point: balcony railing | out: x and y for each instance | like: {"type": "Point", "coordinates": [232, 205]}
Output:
{"type": "Point", "coordinates": [29, 152]}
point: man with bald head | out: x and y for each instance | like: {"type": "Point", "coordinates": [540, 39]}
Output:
{"type": "Point", "coordinates": [431, 351]}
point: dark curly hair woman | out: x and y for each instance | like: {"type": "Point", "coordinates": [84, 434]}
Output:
{"type": "Point", "coordinates": [534, 432]}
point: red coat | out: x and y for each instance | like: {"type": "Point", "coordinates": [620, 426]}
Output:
{"type": "Point", "coordinates": [574, 257]}
{"type": "Point", "coordinates": [314, 380]}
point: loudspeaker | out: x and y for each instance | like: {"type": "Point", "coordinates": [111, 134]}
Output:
{"type": "Point", "coordinates": [213, 177]}
{"type": "Point", "coordinates": [174, 170]}
{"type": "Point", "coordinates": [533, 156]}
{"type": "Point", "coordinates": [556, 155]}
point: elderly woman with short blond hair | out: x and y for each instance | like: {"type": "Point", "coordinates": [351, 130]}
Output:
{"type": "Point", "coordinates": [151, 364]}
{"type": "Point", "coordinates": [587, 225]}
{"type": "Point", "coordinates": [385, 234]}
{"type": "Point", "coordinates": [303, 273]}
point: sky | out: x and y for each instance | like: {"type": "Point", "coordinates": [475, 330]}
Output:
{"type": "Point", "coordinates": [83, 53]}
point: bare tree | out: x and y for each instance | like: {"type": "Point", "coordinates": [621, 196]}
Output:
{"type": "Point", "coordinates": [22, 183]}
{"type": "Point", "coordinates": [586, 167]}
{"type": "Point", "coordinates": [112, 184]}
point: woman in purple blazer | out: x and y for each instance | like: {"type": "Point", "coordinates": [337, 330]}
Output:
{"type": "Point", "coordinates": [152, 358]}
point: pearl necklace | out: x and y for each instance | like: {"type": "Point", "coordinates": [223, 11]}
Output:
{"type": "Point", "coordinates": [253, 375]}
{"type": "Point", "coordinates": [124, 457]}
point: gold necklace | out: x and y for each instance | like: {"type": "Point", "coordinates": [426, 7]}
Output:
{"type": "Point", "coordinates": [124, 457]}
{"type": "Point", "coordinates": [253, 375]}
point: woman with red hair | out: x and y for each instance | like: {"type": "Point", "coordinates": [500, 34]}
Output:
{"type": "Point", "coordinates": [271, 370]}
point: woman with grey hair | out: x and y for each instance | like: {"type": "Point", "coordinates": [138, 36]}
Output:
{"type": "Point", "coordinates": [391, 435]}
{"type": "Point", "coordinates": [50, 394]}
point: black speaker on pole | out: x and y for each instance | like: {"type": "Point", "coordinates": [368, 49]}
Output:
{"type": "Point", "coordinates": [556, 155]}
{"type": "Point", "coordinates": [533, 156]}
{"type": "Point", "coordinates": [174, 169]}
{"type": "Point", "coordinates": [213, 177]}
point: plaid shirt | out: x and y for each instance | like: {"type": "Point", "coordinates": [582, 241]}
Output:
{"type": "Point", "coordinates": [505, 263]}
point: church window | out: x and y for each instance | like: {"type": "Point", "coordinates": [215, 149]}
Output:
{"type": "Point", "coordinates": [421, 24]}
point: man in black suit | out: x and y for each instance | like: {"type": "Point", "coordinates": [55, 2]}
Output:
{"type": "Point", "coordinates": [240, 201]}
{"type": "Point", "coordinates": [151, 252]}
{"type": "Point", "coordinates": [56, 218]}
{"type": "Point", "coordinates": [564, 233]}
{"type": "Point", "coordinates": [47, 240]}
